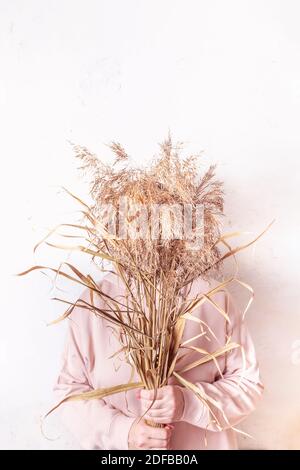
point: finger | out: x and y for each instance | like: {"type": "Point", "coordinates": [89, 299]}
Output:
{"type": "Point", "coordinates": [158, 443]}
{"type": "Point", "coordinates": [158, 433]}
{"type": "Point", "coordinates": [153, 404]}
{"type": "Point", "coordinates": [160, 420]}
{"type": "Point", "coordinates": [151, 394]}
{"type": "Point", "coordinates": [159, 412]}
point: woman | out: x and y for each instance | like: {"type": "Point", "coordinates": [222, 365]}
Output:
{"type": "Point", "coordinates": [89, 362]}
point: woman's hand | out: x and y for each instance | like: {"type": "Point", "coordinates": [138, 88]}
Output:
{"type": "Point", "coordinates": [168, 406]}
{"type": "Point", "coordinates": [143, 436]}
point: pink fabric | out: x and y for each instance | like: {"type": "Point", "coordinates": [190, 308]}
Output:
{"type": "Point", "coordinates": [104, 424]}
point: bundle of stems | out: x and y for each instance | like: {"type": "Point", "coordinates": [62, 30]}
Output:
{"type": "Point", "coordinates": [156, 272]}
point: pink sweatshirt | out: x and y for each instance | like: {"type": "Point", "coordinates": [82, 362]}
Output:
{"type": "Point", "coordinates": [105, 424]}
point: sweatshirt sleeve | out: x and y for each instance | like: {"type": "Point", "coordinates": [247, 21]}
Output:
{"type": "Point", "coordinates": [94, 423]}
{"type": "Point", "coordinates": [237, 392]}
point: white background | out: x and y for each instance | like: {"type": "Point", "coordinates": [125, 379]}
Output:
{"type": "Point", "coordinates": [223, 76]}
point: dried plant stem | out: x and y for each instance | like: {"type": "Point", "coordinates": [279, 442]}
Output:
{"type": "Point", "coordinates": [157, 273]}
{"type": "Point", "coordinates": [153, 424]}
